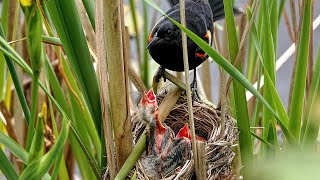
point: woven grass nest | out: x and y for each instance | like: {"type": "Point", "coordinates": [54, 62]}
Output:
{"type": "Point", "coordinates": [208, 125]}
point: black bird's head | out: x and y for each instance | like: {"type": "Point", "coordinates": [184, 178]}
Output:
{"type": "Point", "coordinates": [164, 32]}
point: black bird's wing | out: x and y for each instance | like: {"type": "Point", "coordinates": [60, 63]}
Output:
{"type": "Point", "coordinates": [173, 2]}
{"type": "Point", "coordinates": [218, 9]}
{"type": "Point", "coordinates": [216, 6]}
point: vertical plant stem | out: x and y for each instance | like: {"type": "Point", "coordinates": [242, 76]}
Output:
{"type": "Point", "coordinates": [310, 58]}
{"type": "Point", "coordinates": [187, 79]}
{"type": "Point", "coordinates": [34, 98]}
{"type": "Point", "coordinates": [293, 18]}
{"type": "Point", "coordinates": [239, 94]}
{"type": "Point", "coordinates": [298, 92]}
{"type": "Point", "coordinates": [310, 128]}
{"type": "Point", "coordinates": [34, 46]}
{"type": "Point", "coordinates": [104, 95]}
{"type": "Point", "coordinates": [289, 28]}
{"type": "Point", "coordinates": [202, 168]}
{"type": "Point", "coordinates": [118, 85]}
{"type": "Point", "coordinates": [5, 15]}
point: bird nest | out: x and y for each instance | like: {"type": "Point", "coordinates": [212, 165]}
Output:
{"type": "Point", "coordinates": [207, 121]}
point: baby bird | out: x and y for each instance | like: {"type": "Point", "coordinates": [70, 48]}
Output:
{"type": "Point", "coordinates": [165, 151]}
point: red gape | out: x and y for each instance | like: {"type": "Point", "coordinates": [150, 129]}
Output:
{"type": "Point", "coordinates": [185, 132]}
{"type": "Point", "coordinates": [165, 151]}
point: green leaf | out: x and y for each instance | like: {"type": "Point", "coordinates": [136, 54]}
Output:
{"type": "Point", "coordinates": [4, 15]}
{"type": "Point", "coordinates": [51, 40]}
{"type": "Point", "coordinates": [281, 7]}
{"type": "Point", "coordinates": [37, 146]}
{"type": "Point", "coordinates": [274, 25]}
{"type": "Point", "coordinates": [14, 148]}
{"type": "Point", "coordinates": [299, 85]}
{"type": "Point", "coordinates": [264, 141]}
{"type": "Point", "coordinates": [269, 58]}
{"type": "Point", "coordinates": [310, 130]}
{"type": "Point", "coordinates": [89, 6]}
{"type": "Point", "coordinates": [34, 38]}
{"type": "Point", "coordinates": [2, 76]}
{"type": "Point", "coordinates": [57, 165]}
{"type": "Point", "coordinates": [38, 168]}
{"type": "Point", "coordinates": [7, 168]}
{"type": "Point", "coordinates": [239, 94]}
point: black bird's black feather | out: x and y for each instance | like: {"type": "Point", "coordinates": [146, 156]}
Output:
{"type": "Point", "coordinates": [165, 45]}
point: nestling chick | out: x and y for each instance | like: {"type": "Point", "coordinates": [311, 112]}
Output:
{"type": "Point", "coordinates": [165, 152]}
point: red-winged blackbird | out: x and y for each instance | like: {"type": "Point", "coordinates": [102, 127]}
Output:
{"type": "Point", "coordinates": [165, 44]}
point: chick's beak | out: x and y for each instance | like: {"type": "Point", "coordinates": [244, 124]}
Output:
{"type": "Point", "coordinates": [153, 41]}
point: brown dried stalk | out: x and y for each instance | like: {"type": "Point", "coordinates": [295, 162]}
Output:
{"type": "Point", "coordinates": [103, 81]}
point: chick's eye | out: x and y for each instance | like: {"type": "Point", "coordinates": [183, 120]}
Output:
{"type": "Point", "coordinates": [168, 32]}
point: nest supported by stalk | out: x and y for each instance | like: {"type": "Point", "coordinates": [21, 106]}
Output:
{"type": "Point", "coordinates": [208, 125]}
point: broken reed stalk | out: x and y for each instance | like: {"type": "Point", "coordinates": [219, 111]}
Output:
{"type": "Point", "coordinates": [187, 80]}
{"type": "Point", "coordinates": [201, 155]}
{"type": "Point", "coordinates": [166, 106]}
{"type": "Point", "coordinates": [118, 81]}
{"type": "Point", "coordinates": [104, 96]}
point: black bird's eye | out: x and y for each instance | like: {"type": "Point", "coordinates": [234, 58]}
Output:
{"type": "Point", "coordinates": [168, 32]}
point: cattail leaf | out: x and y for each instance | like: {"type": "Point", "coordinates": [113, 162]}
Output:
{"type": "Point", "coordinates": [37, 146]}
{"type": "Point", "coordinates": [6, 167]}
{"type": "Point", "coordinates": [34, 38]}
{"type": "Point", "coordinates": [239, 93]}
{"type": "Point", "coordinates": [38, 168]}
{"type": "Point", "coordinates": [14, 148]}
{"type": "Point", "coordinates": [268, 54]}
{"type": "Point", "coordinates": [299, 85]}
{"type": "Point", "coordinates": [310, 128]}
{"type": "Point", "coordinates": [90, 10]}
{"type": "Point", "coordinates": [2, 76]}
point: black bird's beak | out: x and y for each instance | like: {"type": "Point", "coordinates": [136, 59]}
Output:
{"type": "Point", "coordinates": [154, 40]}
